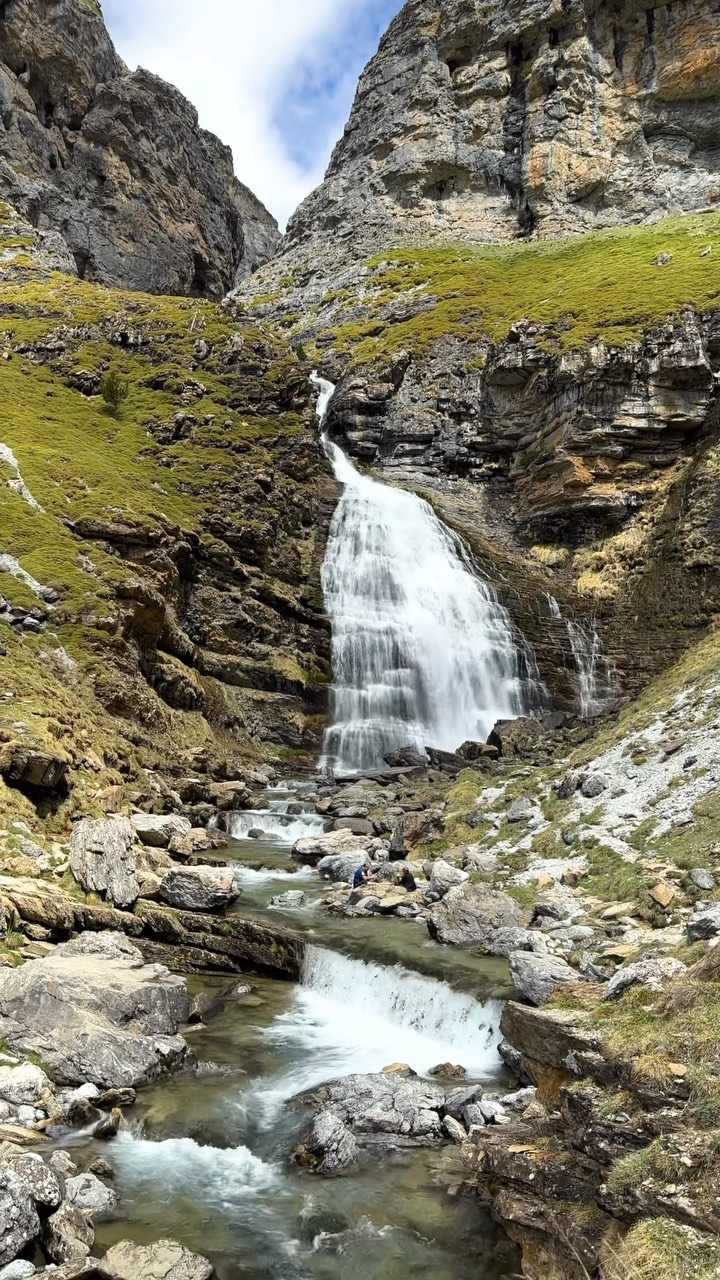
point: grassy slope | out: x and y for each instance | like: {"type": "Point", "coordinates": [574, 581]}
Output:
{"type": "Point", "coordinates": [606, 285]}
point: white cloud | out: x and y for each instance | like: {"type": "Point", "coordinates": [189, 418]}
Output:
{"type": "Point", "coordinates": [237, 60]}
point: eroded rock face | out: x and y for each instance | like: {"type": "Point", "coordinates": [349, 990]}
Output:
{"type": "Point", "coordinates": [103, 860]}
{"type": "Point", "coordinates": [95, 1012]}
{"type": "Point", "coordinates": [117, 163]}
{"type": "Point", "coordinates": [491, 122]}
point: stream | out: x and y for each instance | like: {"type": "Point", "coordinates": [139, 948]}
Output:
{"type": "Point", "coordinates": [206, 1158]}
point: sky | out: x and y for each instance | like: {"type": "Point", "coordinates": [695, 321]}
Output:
{"type": "Point", "coordinates": [275, 79]}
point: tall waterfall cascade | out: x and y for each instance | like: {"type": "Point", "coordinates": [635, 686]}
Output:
{"type": "Point", "coordinates": [423, 652]}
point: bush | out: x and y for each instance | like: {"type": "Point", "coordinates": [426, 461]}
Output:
{"type": "Point", "coordinates": [114, 390]}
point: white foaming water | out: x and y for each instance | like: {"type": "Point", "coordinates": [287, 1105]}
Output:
{"type": "Point", "coordinates": [423, 652]}
{"type": "Point", "coordinates": [253, 877]}
{"type": "Point", "coordinates": [181, 1166]}
{"type": "Point", "coordinates": [354, 1016]}
{"type": "Point", "coordinates": [276, 822]}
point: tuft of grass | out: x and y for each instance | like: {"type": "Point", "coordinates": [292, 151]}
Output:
{"type": "Point", "coordinates": [658, 1249]}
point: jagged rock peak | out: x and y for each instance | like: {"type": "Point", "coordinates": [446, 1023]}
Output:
{"type": "Point", "coordinates": [116, 162]}
{"type": "Point", "coordinates": [487, 121]}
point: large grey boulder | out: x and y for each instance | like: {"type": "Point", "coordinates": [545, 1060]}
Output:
{"type": "Point", "coordinates": [312, 849]}
{"type": "Point", "coordinates": [158, 830]}
{"type": "Point", "coordinates": [536, 976]}
{"type": "Point", "coordinates": [444, 877]}
{"type": "Point", "coordinates": [95, 1012]}
{"type": "Point", "coordinates": [199, 888]}
{"type": "Point", "coordinates": [24, 1086]}
{"type": "Point", "coordinates": [387, 1106]}
{"type": "Point", "coordinates": [86, 1191]}
{"type": "Point", "coordinates": [342, 866]}
{"type": "Point", "coordinates": [103, 859]}
{"type": "Point", "coordinates": [705, 923]}
{"type": "Point", "coordinates": [470, 914]}
{"type": "Point", "coordinates": [163, 1260]}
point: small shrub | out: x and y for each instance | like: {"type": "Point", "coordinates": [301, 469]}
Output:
{"type": "Point", "coordinates": [114, 390]}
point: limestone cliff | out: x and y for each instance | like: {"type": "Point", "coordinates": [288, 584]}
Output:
{"type": "Point", "coordinates": [115, 162]}
{"type": "Point", "coordinates": [492, 120]}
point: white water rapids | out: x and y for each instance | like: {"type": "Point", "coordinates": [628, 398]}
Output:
{"type": "Point", "coordinates": [423, 652]}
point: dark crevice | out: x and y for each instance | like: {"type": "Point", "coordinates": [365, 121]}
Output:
{"type": "Point", "coordinates": [82, 262]}
{"type": "Point", "coordinates": [617, 49]}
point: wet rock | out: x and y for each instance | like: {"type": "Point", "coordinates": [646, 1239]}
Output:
{"type": "Point", "coordinates": [444, 877]}
{"type": "Point", "coordinates": [86, 1191]}
{"type": "Point", "coordinates": [199, 888]}
{"type": "Point", "coordinates": [387, 1107]}
{"type": "Point", "coordinates": [448, 1071]}
{"type": "Point", "coordinates": [68, 1235]}
{"type": "Point", "coordinates": [536, 976]}
{"type": "Point", "coordinates": [704, 923]}
{"type": "Point", "coordinates": [703, 879]}
{"type": "Point", "coordinates": [293, 898]}
{"type": "Point", "coordinates": [470, 914]}
{"type": "Point", "coordinates": [331, 1144]}
{"type": "Point", "coordinates": [95, 1012]}
{"type": "Point", "coordinates": [459, 1099]}
{"type": "Point", "coordinates": [157, 831]}
{"type": "Point", "coordinates": [164, 1260]}
{"type": "Point", "coordinates": [103, 859]}
{"type": "Point", "coordinates": [654, 974]}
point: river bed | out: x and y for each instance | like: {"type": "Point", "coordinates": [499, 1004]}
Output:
{"type": "Point", "coordinates": [206, 1159]}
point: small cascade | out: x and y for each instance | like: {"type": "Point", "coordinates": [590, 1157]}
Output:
{"type": "Point", "coordinates": [596, 674]}
{"type": "Point", "coordinates": [180, 1166]}
{"type": "Point", "coordinates": [275, 822]}
{"type": "Point", "coordinates": [424, 654]}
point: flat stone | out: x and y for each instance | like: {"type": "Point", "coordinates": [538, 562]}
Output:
{"type": "Point", "coordinates": [703, 879]}
{"type": "Point", "coordinates": [164, 1260]}
{"type": "Point", "coordinates": [663, 894]}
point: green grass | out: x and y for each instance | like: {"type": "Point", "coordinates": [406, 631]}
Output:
{"type": "Point", "coordinates": [601, 285]}
{"type": "Point", "coordinates": [658, 1249]}
{"type": "Point", "coordinates": [611, 879]}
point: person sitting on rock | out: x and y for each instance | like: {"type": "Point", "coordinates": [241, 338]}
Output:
{"type": "Point", "coordinates": [407, 880]}
{"type": "Point", "coordinates": [362, 876]}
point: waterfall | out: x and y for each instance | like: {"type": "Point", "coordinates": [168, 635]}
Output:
{"type": "Point", "coordinates": [423, 652]}
{"type": "Point", "coordinates": [596, 675]}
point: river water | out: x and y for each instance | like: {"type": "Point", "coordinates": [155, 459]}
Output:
{"type": "Point", "coordinates": [206, 1158]}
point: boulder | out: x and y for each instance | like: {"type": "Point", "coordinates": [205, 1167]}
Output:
{"type": "Point", "coordinates": [69, 1235]}
{"type": "Point", "coordinates": [312, 849]}
{"type": "Point", "coordinates": [703, 879]}
{"type": "Point", "coordinates": [502, 942]}
{"type": "Point", "coordinates": [103, 859]}
{"type": "Point", "coordinates": [417, 829]}
{"type": "Point", "coordinates": [478, 752]}
{"type": "Point", "coordinates": [331, 1144]}
{"type": "Point", "coordinates": [95, 1012]}
{"type": "Point", "coordinates": [199, 888]}
{"type": "Point", "coordinates": [19, 1220]}
{"type": "Point", "coordinates": [358, 826]}
{"type": "Point", "coordinates": [446, 761]}
{"type": "Point", "coordinates": [593, 786]}
{"type": "Point", "coordinates": [516, 737]}
{"type": "Point", "coordinates": [163, 1260]}
{"type": "Point", "coordinates": [704, 923]}
{"type": "Point", "coordinates": [406, 758]}
{"type": "Point", "coordinates": [342, 866]}
{"type": "Point", "coordinates": [470, 914]}
{"type": "Point", "coordinates": [86, 1191]}
{"type": "Point", "coordinates": [536, 976]}
{"type": "Point", "coordinates": [654, 974]}
{"type": "Point", "coordinates": [24, 1085]}
{"type": "Point", "coordinates": [390, 1106]}
{"type": "Point", "coordinates": [444, 877]}
{"type": "Point", "coordinates": [158, 830]}
{"type": "Point", "coordinates": [521, 810]}
{"type": "Point", "coordinates": [26, 766]}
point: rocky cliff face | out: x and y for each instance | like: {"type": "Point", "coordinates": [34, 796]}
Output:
{"type": "Point", "coordinates": [489, 121]}
{"type": "Point", "coordinates": [159, 576]}
{"type": "Point", "coordinates": [116, 163]}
